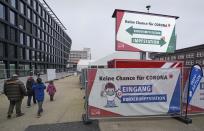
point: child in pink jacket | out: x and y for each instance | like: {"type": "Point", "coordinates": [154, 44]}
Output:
{"type": "Point", "coordinates": [51, 90]}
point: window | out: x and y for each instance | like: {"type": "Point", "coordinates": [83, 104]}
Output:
{"type": "Point", "coordinates": [42, 46]}
{"type": "Point", "coordinates": [190, 55]}
{"type": "Point", "coordinates": [46, 16]}
{"type": "Point", "coordinates": [13, 3]}
{"type": "Point", "coordinates": [21, 39]}
{"type": "Point", "coordinates": [12, 68]}
{"type": "Point", "coordinates": [2, 11]}
{"type": "Point", "coordinates": [34, 30]}
{"type": "Point", "coordinates": [22, 8]}
{"type": "Point", "coordinates": [189, 62]}
{"type": "Point", "coordinates": [38, 56]}
{"type": "Point", "coordinates": [38, 33]}
{"type": "Point", "coordinates": [12, 17]}
{"type": "Point", "coordinates": [34, 41]}
{"type": "Point", "coordinates": [11, 51]}
{"type": "Point", "coordinates": [21, 23]}
{"type": "Point", "coordinates": [198, 62]}
{"type": "Point", "coordinates": [173, 57]}
{"type": "Point", "coordinates": [1, 50]}
{"type": "Point", "coordinates": [39, 21]}
{"type": "Point", "coordinates": [20, 53]}
{"type": "Point", "coordinates": [28, 27]}
{"type": "Point", "coordinates": [42, 35]}
{"type": "Point", "coordinates": [202, 86]}
{"type": "Point", "coordinates": [38, 44]}
{"type": "Point", "coordinates": [45, 47]}
{"type": "Point", "coordinates": [29, 2]}
{"type": "Point", "coordinates": [42, 57]}
{"type": "Point", "coordinates": [2, 30]}
{"type": "Point", "coordinates": [46, 38]}
{"type": "Point", "coordinates": [43, 24]}
{"type": "Point", "coordinates": [34, 18]}
{"type": "Point", "coordinates": [181, 56]}
{"type": "Point", "coordinates": [34, 5]}
{"type": "Point", "coordinates": [33, 55]}
{"type": "Point", "coordinates": [28, 41]}
{"type": "Point", "coordinates": [39, 9]}
{"type": "Point", "coordinates": [43, 14]}
{"type": "Point", "coordinates": [48, 49]}
{"type": "Point", "coordinates": [199, 54]}
{"type": "Point", "coordinates": [27, 54]}
{"type": "Point", "coordinates": [45, 57]}
{"type": "Point", "coordinates": [12, 34]}
{"type": "Point", "coordinates": [29, 13]}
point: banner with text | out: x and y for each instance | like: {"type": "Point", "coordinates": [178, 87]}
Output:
{"type": "Point", "coordinates": [196, 93]}
{"type": "Point", "coordinates": [133, 92]}
{"type": "Point", "coordinates": [145, 32]}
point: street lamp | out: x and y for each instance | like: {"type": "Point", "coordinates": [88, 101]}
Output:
{"type": "Point", "coordinates": [148, 8]}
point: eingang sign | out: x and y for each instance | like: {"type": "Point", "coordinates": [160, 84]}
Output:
{"type": "Point", "coordinates": [139, 31]}
{"type": "Point", "coordinates": [133, 92]}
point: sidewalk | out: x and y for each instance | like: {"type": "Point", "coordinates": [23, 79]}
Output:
{"type": "Point", "coordinates": [67, 107]}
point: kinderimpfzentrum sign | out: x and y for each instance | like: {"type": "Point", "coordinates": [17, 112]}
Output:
{"type": "Point", "coordinates": [140, 31]}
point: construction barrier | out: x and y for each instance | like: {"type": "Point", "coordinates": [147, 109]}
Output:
{"type": "Point", "coordinates": [133, 92]}
{"type": "Point", "coordinates": [83, 78]}
{"type": "Point", "coordinates": [127, 104]}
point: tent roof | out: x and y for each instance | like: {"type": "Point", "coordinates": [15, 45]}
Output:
{"type": "Point", "coordinates": [84, 62]}
{"type": "Point", "coordinates": [116, 55]}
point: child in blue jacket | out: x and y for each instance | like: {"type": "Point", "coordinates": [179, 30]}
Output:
{"type": "Point", "coordinates": [39, 88]}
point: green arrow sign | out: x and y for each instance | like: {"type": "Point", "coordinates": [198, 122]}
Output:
{"type": "Point", "coordinates": [160, 42]}
{"type": "Point", "coordinates": [132, 31]}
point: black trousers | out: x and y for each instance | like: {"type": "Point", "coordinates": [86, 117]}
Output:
{"type": "Point", "coordinates": [29, 99]}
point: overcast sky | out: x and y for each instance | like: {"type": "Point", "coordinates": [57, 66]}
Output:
{"type": "Point", "coordinates": [90, 24]}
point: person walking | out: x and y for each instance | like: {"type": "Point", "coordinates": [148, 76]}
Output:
{"type": "Point", "coordinates": [15, 91]}
{"type": "Point", "coordinates": [29, 83]}
{"type": "Point", "coordinates": [39, 88]}
{"type": "Point", "coordinates": [51, 90]}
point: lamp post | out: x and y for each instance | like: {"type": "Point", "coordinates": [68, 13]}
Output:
{"type": "Point", "coordinates": [144, 55]}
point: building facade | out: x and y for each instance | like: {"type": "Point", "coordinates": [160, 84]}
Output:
{"type": "Point", "coordinates": [76, 55]}
{"type": "Point", "coordinates": [190, 56]}
{"type": "Point", "coordinates": [31, 38]}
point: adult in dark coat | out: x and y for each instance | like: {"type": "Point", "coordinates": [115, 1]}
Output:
{"type": "Point", "coordinates": [29, 83]}
{"type": "Point", "coordinates": [15, 90]}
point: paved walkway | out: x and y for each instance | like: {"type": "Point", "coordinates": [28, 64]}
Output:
{"type": "Point", "coordinates": [68, 107]}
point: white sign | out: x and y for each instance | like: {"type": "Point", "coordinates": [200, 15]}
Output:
{"type": "Point", "coordinates": [134, 92]}
{"type": "Point", "coordinates": [51, 74]}
{"type": "Point", "coordinates": [145, 32]}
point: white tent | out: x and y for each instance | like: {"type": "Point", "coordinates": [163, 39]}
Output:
{"type": "Point", "coordinates": [116, 55]}
{"type": "Point", "coordinates": [83, 64]}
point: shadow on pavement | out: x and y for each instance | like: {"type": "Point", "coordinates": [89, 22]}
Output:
{"type": "Point", "coordinates": [71, 126]}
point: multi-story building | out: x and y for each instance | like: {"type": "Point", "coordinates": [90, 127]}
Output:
{"type": "Point", "coordinates": [31, 36]}
{"type": "Point", "coordinates": [190, 56]}
{"type": "Point", "coordinates": [76, 55]}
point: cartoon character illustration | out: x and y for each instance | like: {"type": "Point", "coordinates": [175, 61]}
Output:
{"type": "Point", "coordinates": [110, 93]}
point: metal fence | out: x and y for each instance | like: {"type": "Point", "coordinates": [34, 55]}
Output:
{"type": "Point", "coordinates": [23, 75]}
{"type": "Point", "coordinates": [185, 71]}
{"type": "Point", "coordinates": [83, 78]}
